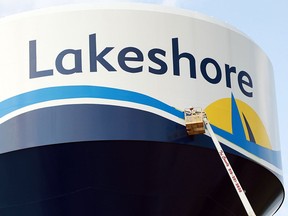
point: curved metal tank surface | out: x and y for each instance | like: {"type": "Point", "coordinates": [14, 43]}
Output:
{"type": "Point", "coordinates": [92, 122]}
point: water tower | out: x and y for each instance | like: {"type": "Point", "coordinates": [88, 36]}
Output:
{"type": "Point", "coordinates": [92, 122]}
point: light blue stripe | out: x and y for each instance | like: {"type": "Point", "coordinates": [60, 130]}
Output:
{"type": "Point", "coordinates": [269, 155]}
{"type": "Point", "coordinates": [69, 92]}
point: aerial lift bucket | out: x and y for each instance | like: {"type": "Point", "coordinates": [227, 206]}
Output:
{"type": "Point", "coordinates": [194, 121]}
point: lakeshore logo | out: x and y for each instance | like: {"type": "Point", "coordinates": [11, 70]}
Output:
{"type": "Point", "coordinates": [236, 122]}
{"type": "Point", "coordinates": [132, 59]}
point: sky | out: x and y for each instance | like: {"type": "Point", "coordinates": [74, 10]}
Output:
{"type": "Point", "coordinates": [264, 21]}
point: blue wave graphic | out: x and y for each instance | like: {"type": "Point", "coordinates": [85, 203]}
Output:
{"type": "Point", "coordinates": [268, 155]}
{"type": "Point", "coordinates": [71, 92]}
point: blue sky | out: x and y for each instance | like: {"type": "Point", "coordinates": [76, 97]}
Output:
{"type": "Point", "coordinates": [264, 21]}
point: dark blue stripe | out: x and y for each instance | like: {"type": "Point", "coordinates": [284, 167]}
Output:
{"type": "Point", "coordinates": [86, 122]}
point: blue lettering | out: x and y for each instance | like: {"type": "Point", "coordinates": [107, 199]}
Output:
{"type": "Point", "coordinates": [131, 59]}
{"type": "Point", "coordinates": [33, 73]}
{"type": "Point", "coordinates": [177, 57]}
{"type": "Point", "coordinates": [203, 68]}
{"type": "Point", "coordinates": [77, 59]}
{"type": "Point", "coordinates": [245, 79]}
{"type": "Point", "coordinates": [152, 54]}
{"type": "Point", "coordinates": [123, 58]}
{"type": "Point", "coordinates": [94, 57]}
{"type": "Point", "coordinates": [228, 71]}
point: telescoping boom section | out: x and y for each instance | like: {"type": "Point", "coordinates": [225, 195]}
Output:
{"type": "Point", "coordinates": [196, 121]}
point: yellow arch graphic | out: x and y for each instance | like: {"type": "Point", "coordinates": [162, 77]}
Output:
{"type": "Point", "coordinates": [220, 115]}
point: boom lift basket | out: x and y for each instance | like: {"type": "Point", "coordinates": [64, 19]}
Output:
{"type": "Point", "coordinates": [194, 121]}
